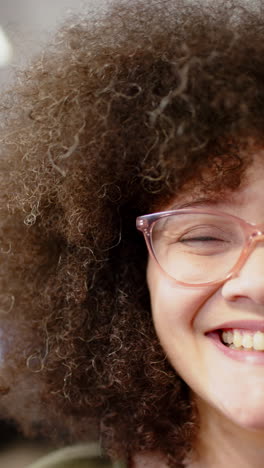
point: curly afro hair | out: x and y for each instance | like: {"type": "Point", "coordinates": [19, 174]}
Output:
{"type": "Point", "coordinates": [121, 113]}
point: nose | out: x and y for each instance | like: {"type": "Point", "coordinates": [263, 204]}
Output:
{"type": "Point", "coordinates": [248, 282]}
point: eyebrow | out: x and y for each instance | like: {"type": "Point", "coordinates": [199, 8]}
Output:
{"type": "Point", "coordinates": [199, 202]}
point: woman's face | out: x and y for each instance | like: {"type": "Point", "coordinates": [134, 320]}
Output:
{"type": "Point", "coordinates": [182, 316]}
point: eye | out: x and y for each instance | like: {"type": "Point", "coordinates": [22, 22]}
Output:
{"type": "Point", "coordinates": [203, 244]}
{"type": "Point", "coordinates": [200, 239]}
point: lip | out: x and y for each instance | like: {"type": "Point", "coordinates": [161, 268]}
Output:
{"type": "Point", "coordinates": [250, 357]}
{"type": "Point", "coordinates": [253, 325]}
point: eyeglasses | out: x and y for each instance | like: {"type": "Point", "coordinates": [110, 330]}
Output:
{"type": "Point", "coordinates": [199, 248]}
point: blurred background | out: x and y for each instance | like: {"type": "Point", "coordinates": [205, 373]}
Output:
{"type": "Point", "coordinates": [26, 24]}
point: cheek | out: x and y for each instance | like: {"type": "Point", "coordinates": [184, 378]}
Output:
{"type": "Point", "coordinates": [174, 311]}
{"type": "Point", "coordinates": [172, 305]}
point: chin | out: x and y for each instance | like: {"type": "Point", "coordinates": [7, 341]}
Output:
{"type": "Point", "coordinates": [249, 419]}
{"type": "Point", "coordinates": [256, 424]}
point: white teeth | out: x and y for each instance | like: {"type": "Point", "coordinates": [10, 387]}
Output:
{"type": "Point", "coordinates": [233, 346]}
{"type": "Point", "coordinates": [227, 337]}
{"type": "Point", "coordinates": [237, 339]}
{"type": "Point", "coordinates": [224, 337]}
{"type": "Point", "coordinates": [258, 341]}
{"type": "Point", "coordinates": [246, 340]}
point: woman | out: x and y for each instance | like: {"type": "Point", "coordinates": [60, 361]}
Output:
{"type": "Point", "coordinates": [156, 107]}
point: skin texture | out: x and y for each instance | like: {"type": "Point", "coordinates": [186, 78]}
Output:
{"type": "Point", "coordinates": [117, 118]}
{"type": "Point", "coordinates": [229, 393]}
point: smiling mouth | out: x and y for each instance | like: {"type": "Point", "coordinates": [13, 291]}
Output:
{"type": "Point", "coordinates": [247, 355]}
{"type": "Point", "coordinates": [241, 340]}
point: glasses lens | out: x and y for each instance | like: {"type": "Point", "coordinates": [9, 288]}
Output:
{"type": "Point", "coordinates": [197, 248]}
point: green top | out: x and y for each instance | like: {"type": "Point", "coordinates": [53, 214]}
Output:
{"type": "Point", "coordinates": [78, 456]}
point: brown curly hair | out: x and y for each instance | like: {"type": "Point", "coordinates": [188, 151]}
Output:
{"type": "Point", "coordinates": [119, 114]}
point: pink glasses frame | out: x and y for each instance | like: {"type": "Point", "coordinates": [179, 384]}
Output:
{"type": "Point", "coordinates": [253, 234]}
